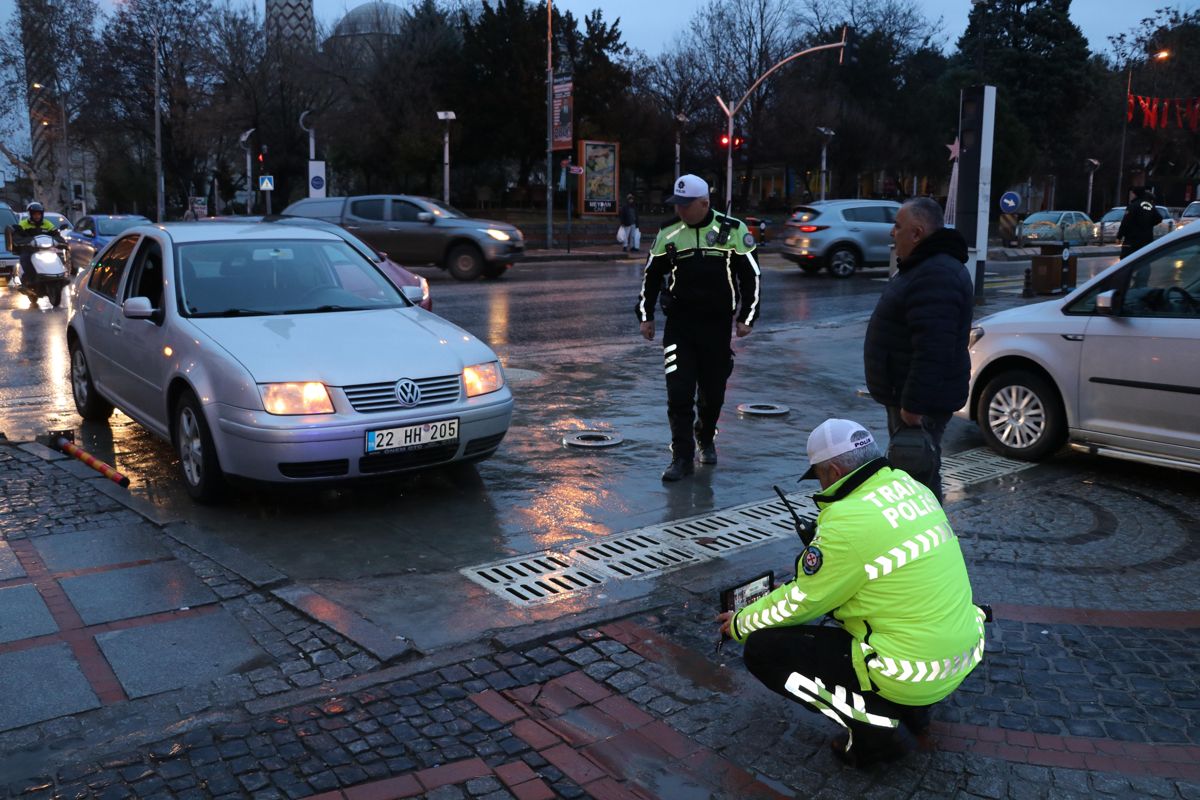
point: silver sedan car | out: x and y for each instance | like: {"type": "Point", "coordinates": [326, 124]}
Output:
{"type": "Point", "coordinates": [277, 354]}
{"type": "Point", "coordinates": [1112, 368]}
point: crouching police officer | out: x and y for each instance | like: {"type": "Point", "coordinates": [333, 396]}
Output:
{"type": "Point", "coordinates": [886, 564]}
{"type": "Point", "coordinates": [707, 262]}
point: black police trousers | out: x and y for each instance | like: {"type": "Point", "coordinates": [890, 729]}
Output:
{"type": "Point", "coordinates": [810, 665]}
{"type": "Point", "coordinates": [698, 361]}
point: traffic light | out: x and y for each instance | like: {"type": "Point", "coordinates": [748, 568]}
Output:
{"type": "Point", "coordinates": [849, 53]}
{"type": "Point", "coordinates": [723, 140]}
{"type": "Point", "coordinates": [262, 157]}
{"type": "Point", "coordinates": [738, 141]}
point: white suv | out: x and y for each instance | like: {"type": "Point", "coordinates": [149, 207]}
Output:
{"type": "Point", "coordinates": [841, 235]}
{"type": "Point", "coordinates": [1113, 368]}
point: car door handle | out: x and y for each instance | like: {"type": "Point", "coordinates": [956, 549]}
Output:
{"type": "Point", "coordinates": [116, 326]}
{"type": "Point", "coordinates": [856, 230]}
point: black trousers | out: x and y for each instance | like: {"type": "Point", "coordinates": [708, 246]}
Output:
{"type": "Point", "coordinates": [697, 360]}
{"type": "Point", "coordinates": [935, 427]}
{"type": "Point", "coordinates": [810, 665]}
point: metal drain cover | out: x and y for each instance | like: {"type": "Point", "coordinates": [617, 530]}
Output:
{"type": "Point", "coordinates": [763, 409]}
{"type": "Point", "coordinates": [592, 439]}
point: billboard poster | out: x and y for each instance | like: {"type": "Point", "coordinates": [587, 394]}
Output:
{"type": "Point", "coordinates": [598, 191]}
{"type": "Point", "coordinates": [563, 110]}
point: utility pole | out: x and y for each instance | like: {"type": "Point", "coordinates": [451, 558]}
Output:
{"type": "Point", "coordinates": [245, 140]}
{"type": "Point", "coordinates": [549, 125]}
{"type": "Point", "coordinates": [158, 167]}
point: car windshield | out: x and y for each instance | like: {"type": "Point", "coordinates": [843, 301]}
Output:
{"type": "Point", "coordinates": [259, 277]}
{"type": "Point", "coordinates": [106, 226]}
{"type": "Point", "coordinates": [1191, 211]}
{"type": "Point", "coordinates": [443, 210]}
{"type": "Point", "coordinates": [1113, 216]}
{"type": "Point", "coordinates": [1044, 216]}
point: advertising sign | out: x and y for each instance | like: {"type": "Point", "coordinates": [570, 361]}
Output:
{"type": "Point", "coordinates": [599, 189]}
{"type": "Point", "coordinates": [563, 113]}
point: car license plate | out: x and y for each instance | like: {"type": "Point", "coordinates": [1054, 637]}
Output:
{"type": "Point", "coordinates": [411, 437]}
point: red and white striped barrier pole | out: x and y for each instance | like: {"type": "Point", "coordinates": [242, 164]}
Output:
{"type": "Point", "coordinates": [93, 462]}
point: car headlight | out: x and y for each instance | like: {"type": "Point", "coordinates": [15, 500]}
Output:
{"type": "Point", "coordinates": [497, 234]}
{"type": "Point", "coordinates": [296, 398]}
{"type": "Point", "coordinates": [483, 378]}
{"type": "Point", "coordinates": [424, 289]}
{"type": "Point", "coordinates": [976, 334]}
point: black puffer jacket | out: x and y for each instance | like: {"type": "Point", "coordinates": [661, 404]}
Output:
{"type": "Point", "coordinates": [915, 351]}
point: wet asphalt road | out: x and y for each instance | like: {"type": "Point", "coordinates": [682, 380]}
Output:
{"type": "Point", "coordinates": [567, 334]}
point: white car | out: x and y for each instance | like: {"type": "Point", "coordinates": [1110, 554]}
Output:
{"type": "Point", "coordinates": [279, 354]}
{"type": "Point", "coordinates": [1113, 368]}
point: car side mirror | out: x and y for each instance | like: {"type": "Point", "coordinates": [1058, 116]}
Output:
{"type": "Point", "coordinates": [413, 294]}
{"type": "Point", "coordinates": [425, 216]}
{"type": "Point", "coordinates": [137, 308]}
{"type": "Point", "coordinates": [85, 232]}
{"type": "Point", "coordinates": [1104, 302]}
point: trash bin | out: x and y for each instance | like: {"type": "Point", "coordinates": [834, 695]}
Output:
{"type": "Point", "coordinates": [1051, 272]}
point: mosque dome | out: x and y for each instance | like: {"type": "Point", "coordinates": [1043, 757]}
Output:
{"type": "Point", "coordinates": [370, 19]}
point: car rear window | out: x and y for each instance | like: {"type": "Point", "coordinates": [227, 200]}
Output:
{"type": "Point", "coordinates": [870, 214]}
{"type": "Point", "coordinates": [317, 209]}
{"type": "Point", "coordinates": [1113, 216]}
{"type": "Point", "coordinates": [805, 214]}
{"type": "Point", "coordinates": [367, 209]}
{"type": "Point", "coordinates": [1191, 211]}
{"type": "Point", "coordinates": [111, 227]}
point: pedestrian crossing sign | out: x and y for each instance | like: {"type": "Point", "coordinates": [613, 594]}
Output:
{"type": "Point", "coordinates": [266, 183]}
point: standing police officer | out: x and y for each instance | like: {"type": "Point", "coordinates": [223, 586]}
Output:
{"type": "Point", "coordinates": [707, 261]}
{"type": "Point", "coordinates": [1137, 226]}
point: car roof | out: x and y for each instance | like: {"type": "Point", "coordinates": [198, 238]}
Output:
{"type": "Point", "coordinates": [190, 232]}
{"type": "Point", "coordinates": [847, 202]}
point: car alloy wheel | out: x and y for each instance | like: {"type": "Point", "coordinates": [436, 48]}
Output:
{"type": "Point", "coordinates": [197, 454]}
{"type": "Point", "coordinates": [88, 402]}
{"type": "Point", "coordinates": [843, 262]}
{"type": "Point", "coordinates": [1020, 416]}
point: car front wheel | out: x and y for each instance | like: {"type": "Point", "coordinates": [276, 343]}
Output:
{"type": "Point", "coordinates": [198, 465]}
{"type": "Point", "coordinates": [465, 262]}
{"type": "Point", "coordinates": [843, 262]}
{"type": "Point", "coordinates": [1020, 415]}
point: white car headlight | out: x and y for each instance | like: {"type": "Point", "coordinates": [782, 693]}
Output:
{"type": "Point", "coordinates": [483, 378]}
{"type": "Point", "coordinates": [976, 334]}
{"type": "Point", "coordinates": [497, 234]}
{"type": "Point", "coordinates": [296, 398]}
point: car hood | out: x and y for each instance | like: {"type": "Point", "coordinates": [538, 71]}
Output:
{"type": "Point", "coordinates": [346, 348]}
{"type": "Point", "coordinates": [1034, 319]}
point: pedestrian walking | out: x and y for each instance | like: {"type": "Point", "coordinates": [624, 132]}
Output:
{"type": "Point", "coordinates": [1137, 226]}
{"type": "Point", "coordinates": [915, 352]}
{"type": "Point", "coordinates": [707, 262]}
{"type": "Point", "coordinates": [629, 223]}
{"type": "Point", "coordinates": [886, 563]}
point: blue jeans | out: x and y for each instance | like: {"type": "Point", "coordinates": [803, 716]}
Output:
{"type": "Point", "coordinates": [934, 426]}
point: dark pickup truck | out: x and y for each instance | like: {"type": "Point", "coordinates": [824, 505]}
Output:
{"type": "Point", "coordinates": [419, 230]}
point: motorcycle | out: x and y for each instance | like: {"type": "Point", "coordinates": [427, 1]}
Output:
{"type": "Point", "coordinates": [49, 273]}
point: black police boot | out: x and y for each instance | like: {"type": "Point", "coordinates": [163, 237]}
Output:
{"type": "Point", "coordinates": [679, 468]}
{"type": "Point", "coordinates": [707, 453]}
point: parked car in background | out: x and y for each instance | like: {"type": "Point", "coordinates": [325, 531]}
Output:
{"type": "Point", "coordinates": [8, 260]}
{"type": "Point", "coordinates": [840, 235]}
{"type": "Point", "coordinates": [1055, 227]}
{"type": "Point", "coordinates": [1113, 367]}
{"type": "Point", "coordinates": [419, 230]}
{"type": "Point", "coordinates": [1189, 215]}
{"type": "Point", "coordinates": [1110, 223]}
{"type": "Point", "coordinates": [92, 233]}
{"type": "Point", "coordinates": [276, 353]}
{"type": "Point", "coordinates": [398, 275]}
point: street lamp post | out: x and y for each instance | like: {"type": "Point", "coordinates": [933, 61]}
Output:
{"type": "Point", "coordinates": [549, 124]}
{"type": "Point", "coordinates": [730, 113]}
{"type": "Point", "coordinates": [1092, 165]}
{"type": "Point", "coordinates": [62, 110]}
{"type": "Point", "coordinates": [828, 133]}
{"type": "Point", "coordinates": [446, 116]}
{"type": "Point", "coordinates": [158, 167]}
{"type": "Point", "coordinates": [1161, 55]}
{"type": "Point", "coordinates": [680, 120]}
{"type": "Point", "coordinates": [245, 141]}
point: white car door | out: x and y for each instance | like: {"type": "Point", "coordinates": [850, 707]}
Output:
{"type": "Point", "coordinates": [1139, 383]}
{"type": "Point", "coordinates": [98, 307]}
{"type": "Point", "coordinates": [141, 347]}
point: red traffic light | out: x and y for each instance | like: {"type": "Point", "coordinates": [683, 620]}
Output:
{"type": "Point", "coordinates": [724, 140]}
{"type": "Point", "coordinates": [260, 158]}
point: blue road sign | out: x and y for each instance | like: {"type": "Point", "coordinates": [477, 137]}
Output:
{"type": "Point", "coordinates": [266, 183]}
{"type": "Point", "coordinates": [1010, 202]}
{"type": "Point", "coordinates": [317, 181]}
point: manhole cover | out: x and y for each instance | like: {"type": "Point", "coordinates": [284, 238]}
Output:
{"type": "Point", "coordinates": [762, 409]}
{"type": "Point", "coordinates": [592, 439]}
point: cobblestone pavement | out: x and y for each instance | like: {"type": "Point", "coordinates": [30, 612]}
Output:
{"type": "Point", "coordinates": [1090, 687]}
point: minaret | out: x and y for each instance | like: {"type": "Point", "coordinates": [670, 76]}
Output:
{"type": "Point", "coordinates": [45, 118]}
{"type": "Point", "coordinates": [290, 24]}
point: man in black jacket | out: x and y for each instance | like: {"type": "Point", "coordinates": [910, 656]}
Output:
{"type": "Point", "coordinates": [915, 353]}
{"type": "Point", "coordinates": [1137, 226]}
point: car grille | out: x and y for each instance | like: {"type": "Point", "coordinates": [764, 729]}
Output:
{"type": "Point", "coordinates": [407, 460]}
{"type": "Point", "coordinates": [487, 443]}
{"type": "Point", "coordinates": [315, 469]}
{"type": "Point", "coordinates": [373, 398]}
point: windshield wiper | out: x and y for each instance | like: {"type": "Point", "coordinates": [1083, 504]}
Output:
{"type": "Point", "coordinates": [322, 309]}
{"type": "Point", "coordinates": [234, 312]}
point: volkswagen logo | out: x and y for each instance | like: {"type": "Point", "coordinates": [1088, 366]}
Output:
{"type": "Point", "coordinates": [407, 392]}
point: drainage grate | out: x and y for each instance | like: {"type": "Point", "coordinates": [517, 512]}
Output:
{"type": "Point", "coordinates": [635, 555]}
{"type": "Point", "coordinates": [531, 579]}
{"type": "Point", "coordinates": [656, 549]}
{"type": "Point", "coordinates": [978, 465]}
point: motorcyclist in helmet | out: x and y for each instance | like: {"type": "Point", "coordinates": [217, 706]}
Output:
{"type": "Point", "coordinates": [34, 224]}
